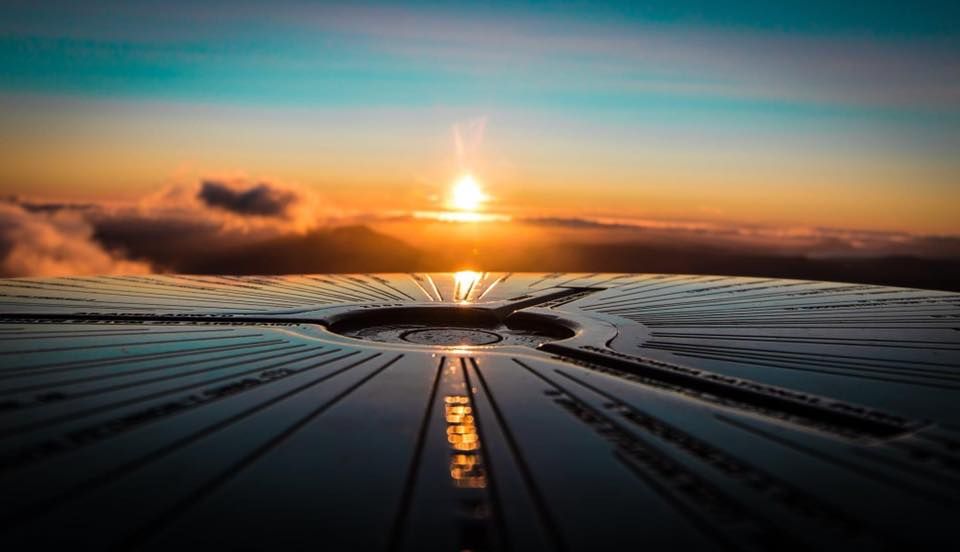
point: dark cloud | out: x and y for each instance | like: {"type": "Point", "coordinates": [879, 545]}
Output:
{"type": "Point", "coordinates": [261, 199]}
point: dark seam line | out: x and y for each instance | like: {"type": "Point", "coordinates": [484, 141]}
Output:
{"type": "Point", "coordinates": [683, 509]}
{"type": "Point", "coordinates": [859, 469]}
{"type": "Point", "coordinates": [59, 383]}
{"type": "Point", "coordinates": [203, 491]}
{"type": "Point", "coordinates": [485, 454]}
{"type": "Point", "coordinates": [142, 398]}
{"type": "Point", "coordinates": [136, 344]}
{"type": "Point", "coordinates": [552, 530]}
{"type": "Point", "coordinates": [172, 447]}
{"type": "Point", "coordinates": [672, 498]}
{"type": "Point", "coordinates": [396, 532]}
{"type": "Point", "coordinates": [53, 368]}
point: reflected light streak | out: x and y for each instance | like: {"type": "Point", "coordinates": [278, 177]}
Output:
{"type": "Point", "coordinates": [466, 464]}
{"type": "Point", "coordinates": [463, 283]}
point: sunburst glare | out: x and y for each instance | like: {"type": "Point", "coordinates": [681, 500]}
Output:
{"type": "Point", "coordinates": [466, 194]}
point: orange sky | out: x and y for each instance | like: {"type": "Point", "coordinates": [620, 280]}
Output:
{"type": "Point", "coordinates": [528, 167]}
{"type": "Point", "coordinates": [814, 116]}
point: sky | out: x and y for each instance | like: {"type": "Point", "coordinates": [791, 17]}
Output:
{"type": "Point", "coordinates": [787, 115]}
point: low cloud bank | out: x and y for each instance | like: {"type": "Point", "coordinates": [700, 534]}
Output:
{"type": "Point", "coordinates": [811, 242]}
{"type": "Point", "coordinates": [55, 243]}
{"type": "Point", "coordinates": [222, 226]}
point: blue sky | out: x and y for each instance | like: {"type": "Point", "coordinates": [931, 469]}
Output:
{"type": "Point", "coordinates": [849, 89]}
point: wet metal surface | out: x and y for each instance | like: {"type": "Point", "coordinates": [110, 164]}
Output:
{"type": "Point", "coordinates": [477, 411]}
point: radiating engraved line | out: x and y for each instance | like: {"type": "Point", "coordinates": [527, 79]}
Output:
{"type": "Point", "coordinates": [486, 462]}
{"type": "Point", "coordinates": [279, 288]}
{"type": "Point", "coordinates": [81, 334]}
{"type": "Point", "coordinates": [858, 468]}
{"type": "Point", "coordinates": [236, 468]}
{"type": "Point", "coordinates": [111, 475]}
{"type": "Point", "coordinates": [115, 345]}
{"type": "Point", "coordinates": [54, 367]}
{"type": "Point", "coordinates": [416, 280]}
{"type": "Point", "coordinates": [544, 299]}
{"type": "Point", "coordinates": [337, 289]}
{"type": "Point", "coordinates": [792, 301]}
{"type": "Point", "coordinates": [491, 286]}
{"type": "Point", "coordinates": [696, 295]}
{"type": "Point", "coordinates": [543, 512]}
{"type": "Point", "coordinates": [385, 288]}
{"type": "Point", "coordinates": [251, 288]}
{"type": "Point", "coordinates": [178, 375]}
{"type": "Point", "coordinates": [767, 301]}
{"type": "Point", "coordinates": [94, 433]}
{"type": "Point", "coordinates": [312, 291]}
{"type": "Point", "coordinates": [308, 289]}
{"type": "Point", "coordinates": [155, 288]}
{"type": "Point", "coordinates": [410, 482]}
{"type": "Point", "coordinates": [386, 283]}
{"type": "Point", "coordinates": [818, 340]}
{"type": "Point", "coordinates": [691, 495]}
{"type": "Point", "coordinates": [809, 357]}
{"type": "Point", "coordinates": [824, 413]}
{"type": "Point", "coordinates": [357, 284]}
{"type": "Point", "coordinates": [284, 287]}
{"type": "Point", "coordinates": [550, 276]}
{"type": "Point", "coordinates": [101, 290]}
{"type": "Point", "coordinates": [248, 288]}
{"type": "Point", "coordinates": [587, 277]}
{"type": "Point", "coordinates": [833, 311]}
{"type": "Point", "coordinates": [336, 294]}
{"type": "Point", "coordinates": [777, 490]}
{"type": "Point", "coordinates": [126, 373]}
{"type": "Point", "coordinates": [233, 375]}
{"type": "Point", "coordinates": [917, 469]}
{"type": "Point", "coordinates": [360, 286]}
{"type": "Point", "coordinates": [824, 325]}
{"type": "Point", "coordinates": [645, 299]}
{"type": "Point", "coordinates": [663, 282]}
{"type": "Point", "coordinates": [434, 286]}
{"type": "Point", "coordinates": [103, 303]}
{"type": "Point", "coordinates": [860, 375]}
{"type": "Point", "coordinates": [685, 510]}
{"type": "Point", "coordinates": [613, 279]}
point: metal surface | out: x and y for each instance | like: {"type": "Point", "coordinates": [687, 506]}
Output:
{"type": "Point", "coordinates": [477, 412]}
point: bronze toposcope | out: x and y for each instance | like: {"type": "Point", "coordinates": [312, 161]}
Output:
{"type": "Point", "coordinates": [477, 411]}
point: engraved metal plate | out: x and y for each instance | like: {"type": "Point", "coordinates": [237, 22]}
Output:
{"type": "Point", "coordinates": [477, 412]}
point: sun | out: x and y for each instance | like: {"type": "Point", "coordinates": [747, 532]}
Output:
{"type": "Point", "coordinates": [466, 194]}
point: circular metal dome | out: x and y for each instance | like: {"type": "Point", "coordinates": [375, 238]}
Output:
{"type": "Point", "coordinates": [477, 412]}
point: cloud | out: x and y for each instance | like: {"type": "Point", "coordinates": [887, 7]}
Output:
{"type": "Point", "coordinates": [215, 225]}
{"type": "Point", "coordinates": [177, 230]}
{"type": "Point", "coordinates": [807, 241]}
{"type": "Point", "coordinates": [235, 205]}
{"type": "Point", "coordinates": [55, 244]}
{"type": "Point", "coordinates": [259, 200]}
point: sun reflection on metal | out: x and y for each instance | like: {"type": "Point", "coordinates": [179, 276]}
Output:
{"type": "Point", "coordinates": [466, 465]}
{"type": "Point", "coordinates": [464, 282]}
